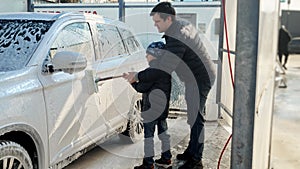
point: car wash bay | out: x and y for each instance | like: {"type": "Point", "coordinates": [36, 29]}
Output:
{"type": "Point", "coordinates": [245, 86]}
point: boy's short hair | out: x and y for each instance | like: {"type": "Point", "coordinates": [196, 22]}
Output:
{"type": "Point", "coordinates": [155, 49]}
{"type": "Point", "coordinates": [164, 9]}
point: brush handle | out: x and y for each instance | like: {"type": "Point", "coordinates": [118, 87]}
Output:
{"type": "Point", "coordinates": [107, 78]}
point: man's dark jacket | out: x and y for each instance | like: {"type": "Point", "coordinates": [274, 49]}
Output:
{"type": "Point", "coordinates": [156, 94]}
{"type": "Point", "coordinates": [284, 39]}
{"type": "Point", "coordinates": [186, 55]}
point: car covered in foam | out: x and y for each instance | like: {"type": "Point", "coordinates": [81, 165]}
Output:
{"type": "Point", "coordinates": [294, 46]}
{"type": "Point", "coordinates": [58, 94]}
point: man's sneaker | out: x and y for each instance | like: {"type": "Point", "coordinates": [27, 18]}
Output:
{"type": "Point", "coordinates": [163, 162]}
{"type": "Point", "coordinates": [144, 167]}
{"type": "Point", "coordinates": [184, 156]}
{"type": "Point", "coordinates": [192, 164]}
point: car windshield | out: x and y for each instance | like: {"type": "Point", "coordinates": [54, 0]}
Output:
{"type": "Point", "coordinates": [18, 40]}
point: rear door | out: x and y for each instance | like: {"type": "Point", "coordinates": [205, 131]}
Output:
{"type": "Point", "coordinates": [108, 64]}
{"type": "Point", "coordinates": [115, 59]}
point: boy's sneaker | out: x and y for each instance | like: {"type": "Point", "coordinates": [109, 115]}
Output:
{"type": "Point", "coordinates": [144, 167]}
{"type": "Point", "coordinates": [163, 162]}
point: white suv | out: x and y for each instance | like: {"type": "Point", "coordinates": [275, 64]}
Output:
{"type": "Point", "coordinates": [58, 94]}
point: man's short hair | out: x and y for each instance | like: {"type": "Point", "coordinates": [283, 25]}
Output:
{"type": "Point", "coordinates": [164, 9]}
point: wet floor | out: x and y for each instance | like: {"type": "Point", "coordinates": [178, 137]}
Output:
{"type": "Point", "coordinates": [285, 148]}
{"type": "Point", "coordinates": [115, 154]}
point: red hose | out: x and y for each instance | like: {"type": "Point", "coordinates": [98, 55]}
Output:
{"type": "Point", "coordinates": [220, 158]}
{"type": "Point", "coordinates": [227, 43]}
{"type": "Point", "coordinates": [231, 75]}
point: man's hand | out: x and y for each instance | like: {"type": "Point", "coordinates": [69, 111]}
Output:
{"type": "Point", "coordinates": [130, 76]}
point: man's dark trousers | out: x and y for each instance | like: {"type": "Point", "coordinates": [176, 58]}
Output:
{"type": "Point", "coordinates": [196, 99]}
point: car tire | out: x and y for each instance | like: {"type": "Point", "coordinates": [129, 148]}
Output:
{"type": "Point", "coordinates": [13, 155]}
{"type": "Point", "coordinates": [135, 128]}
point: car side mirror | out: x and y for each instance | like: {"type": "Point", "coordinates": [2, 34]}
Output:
{"type": "Point", "coordinates": [69, 62]}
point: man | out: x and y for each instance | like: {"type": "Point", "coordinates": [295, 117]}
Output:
{"type": "Point", "coordinates": [186, 55]}
{"type": "Point", "coordinates": [284, 39]}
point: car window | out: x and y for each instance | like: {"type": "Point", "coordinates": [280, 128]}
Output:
{"type": "Point", "coordinates": [131, 42]}
{"type": "Point", "coordinates": [111, 43]}
{"type": "Point", "coordinates": [296, 41]}
{"type": "Point", "coordinates": [18, 40]}
{"type": "Point", "coordinates": [75, 37]}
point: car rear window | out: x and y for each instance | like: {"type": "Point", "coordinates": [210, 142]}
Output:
{"type": "Point", "coordinates": [111, 43]}
{"type": "Point", "coordinates": [18, 41]}
{"type": "Point", "coordinates": [132, 44]}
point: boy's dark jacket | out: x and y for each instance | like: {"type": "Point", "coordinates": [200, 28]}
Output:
{"type": "Point", "coordinates": [156, 94]}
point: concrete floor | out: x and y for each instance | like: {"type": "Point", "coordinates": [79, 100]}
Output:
{"type": "Point", "coordinates": [285, 148]}
{"type": "Point", "coordinates": [115, 154]}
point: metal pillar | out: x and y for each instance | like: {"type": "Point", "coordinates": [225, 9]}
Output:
{"type": "Point", "coordinates": [29, 6]}
{"type": "Point", "coordinates": [220, 60]}
{"type": "Point", "coordinates": [245, 83]}
{"type": "Point", "coordinates": [121, 10]}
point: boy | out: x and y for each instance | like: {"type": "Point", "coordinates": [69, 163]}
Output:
{"type": "Point", "coordinates": [155, 109]}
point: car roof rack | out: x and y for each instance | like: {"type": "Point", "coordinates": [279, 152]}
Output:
{"type": "Point", "coordinates": [63, 14]}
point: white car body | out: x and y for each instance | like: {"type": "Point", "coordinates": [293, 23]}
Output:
{"type": "Point", "coordinates": [56, 115]}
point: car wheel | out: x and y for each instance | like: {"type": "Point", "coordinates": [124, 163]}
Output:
{"type": "Point", "coordinates": [13, 155]}
{"type": "Point", "coordinates": [135, 128]}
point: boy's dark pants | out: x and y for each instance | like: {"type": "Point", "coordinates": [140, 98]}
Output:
{"type": "Point", "coordinates": [149, 129]}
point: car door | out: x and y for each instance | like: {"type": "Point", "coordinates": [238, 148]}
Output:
{"type": "Point", "coordinates": [134, 61]}
{"type": "Point", "coordinates": [74, 119]}
{"type": "Point", "coordinates": [112, 55]}
{"type": "Point", "coordinates": [114, 60]}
